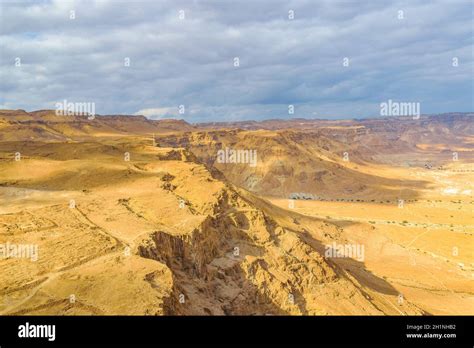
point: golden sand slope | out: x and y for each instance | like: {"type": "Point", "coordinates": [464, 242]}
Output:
{"type": "Point", "coordinates": [147, 234]}
{"type": "Point", "coordinates": [125, 227]}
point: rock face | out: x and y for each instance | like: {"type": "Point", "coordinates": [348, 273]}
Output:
{"type": "Point", "coordinates": [239, 260]}
{"type": "Point", "coordinates": [46, 125]}
{"type": "Point", "coordinates": [127, 227]}
{"type": "Point", "coordinates": [217, 250]}
{"type": "Point", "coordinates": [319, 157]}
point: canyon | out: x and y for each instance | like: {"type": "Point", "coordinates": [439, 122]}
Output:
{"type": "Point", "coordinates": [134, 216]}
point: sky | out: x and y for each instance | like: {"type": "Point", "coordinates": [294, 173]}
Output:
{"type": "Point", "coordinates": [161, 59]}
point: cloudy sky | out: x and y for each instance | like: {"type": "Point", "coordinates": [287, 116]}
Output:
{"type": "Point", "coordinates": [329, 59]}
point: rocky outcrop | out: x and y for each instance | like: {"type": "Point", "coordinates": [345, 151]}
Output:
{"type": "Point", "coordinates": [241, 261]}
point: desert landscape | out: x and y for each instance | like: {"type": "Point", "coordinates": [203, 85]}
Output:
{"type": "Point", "coordinates": [127, 215]}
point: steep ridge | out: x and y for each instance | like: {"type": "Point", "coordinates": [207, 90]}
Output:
{"type": "Point", "coordinates": [332, 160]}
{"type": "Point", "coordinates": [290, 162]}
{"type": "Point", "coordinates": [173, 231]}
{"type": "Point", "coordinates": [45, 125]}
{"type": "Point", "coordinates": [196, 245]}
{"type": "Point", "coordinates": [242, 260]}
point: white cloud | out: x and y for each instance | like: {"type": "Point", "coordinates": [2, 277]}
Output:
{"type": "Point", "coordinates": [190, 61]}
{"type": "Point", "coordinates": [155, 113]}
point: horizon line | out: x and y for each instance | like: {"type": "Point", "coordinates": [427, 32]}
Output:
{"type": "Point", "coordinates": [378, 117]}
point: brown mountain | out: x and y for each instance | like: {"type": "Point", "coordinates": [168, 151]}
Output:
{"type": "Point", "coordinates": [133, 216]}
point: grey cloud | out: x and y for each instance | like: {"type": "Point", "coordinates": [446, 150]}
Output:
{"type": "Point", "coordinates": [282, 62]}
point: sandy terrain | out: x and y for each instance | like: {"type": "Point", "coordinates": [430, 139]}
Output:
{"type": "Point", "coordinates": [113, 219]}
{"type": "Point", "coordinates": [424, 248]}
